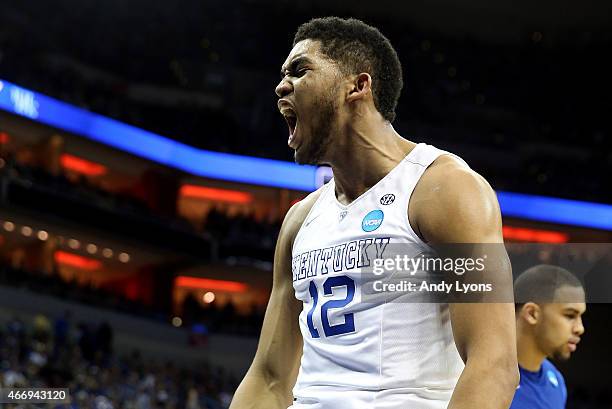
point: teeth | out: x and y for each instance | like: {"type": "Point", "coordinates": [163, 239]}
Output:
{"type": "Point", "coordinates": [288, 112]}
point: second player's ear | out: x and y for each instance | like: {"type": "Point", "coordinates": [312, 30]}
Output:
{"type": "Point", "coordinates": [531, 313]}
{"type": "Point", "coordinates": [360, 87]}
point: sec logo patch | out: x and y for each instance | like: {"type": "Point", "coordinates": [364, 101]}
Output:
{"type": "Point", "coordinates": [387, 199]}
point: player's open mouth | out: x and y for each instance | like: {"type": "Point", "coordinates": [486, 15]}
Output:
{"type": "Point", "coordinates": [292, 123]}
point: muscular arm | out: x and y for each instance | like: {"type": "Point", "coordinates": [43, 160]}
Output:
{"type": "Point", "coordinates": [269, 380]}
{"type": "Point", "coordinates": [456, 205]}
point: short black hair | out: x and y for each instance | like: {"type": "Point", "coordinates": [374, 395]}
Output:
{"type": "Point", "coordinates": [539, 283]}
{"type": "Point", "coordinates": [359, 47]}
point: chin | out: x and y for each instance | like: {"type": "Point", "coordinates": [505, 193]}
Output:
{"type": "Point", "coordinates": [561, 355]}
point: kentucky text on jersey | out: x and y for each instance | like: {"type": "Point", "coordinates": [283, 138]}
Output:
{"type": "Point", "coordinates": [340, 258]}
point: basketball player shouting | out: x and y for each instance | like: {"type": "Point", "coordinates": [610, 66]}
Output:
{"type": "Point", "coordinates": [339, 88]}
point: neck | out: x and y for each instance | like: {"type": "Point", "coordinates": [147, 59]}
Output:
{"type": "Point", "coordinates": [369, 150]}
{"type": "Point", "coordinates": [529, 355]}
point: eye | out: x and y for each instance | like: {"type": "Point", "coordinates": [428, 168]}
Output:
{"type": "Point", "coordinates": [294, 73]}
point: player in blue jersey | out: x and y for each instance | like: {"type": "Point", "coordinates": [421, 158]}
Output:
{"type": "Point", "coordinates": [550, 302]}
{"type": "Point", "coordinates": [320, 348]}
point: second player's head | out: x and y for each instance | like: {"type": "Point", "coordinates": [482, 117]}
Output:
{"type": "Point", "coordinates": [338, 70]}
{"type": "Point", "coordinates": [550, 302]}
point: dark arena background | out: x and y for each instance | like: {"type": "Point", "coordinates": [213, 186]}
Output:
{"type": "Point", "coordinates": [144, 173]}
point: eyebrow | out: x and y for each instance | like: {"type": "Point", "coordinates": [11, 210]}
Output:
{"type": "Point", "coordinates": [570, 309]}
{"type": "Point", "coordinates": [294, 64]}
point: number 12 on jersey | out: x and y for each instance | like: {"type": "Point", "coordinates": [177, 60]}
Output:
{"type": "Point", "coordinates": [328, 289]}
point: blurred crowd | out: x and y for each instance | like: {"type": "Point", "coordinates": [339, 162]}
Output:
{"type": "Point", "coordinates": [62, 353]}
{"type": "Point", "coordinates": [55, 286]}
{"type": "Point", "coordinates": [242, 235]}
{"type": "Point", "coordinates": [207, 319]}
{"type": "Point", "coordinates": [80, 189]}
{"type": "Point", "coordinates": [240, 238]}
{"type": "Point", "coordinates": [80, 357]}
{"type": "Point", "coordinates": [519, 113]}
{"type": "Point", "coordinates": [200, 319]}
{"type": "Point", "coordinates": [238, 235]}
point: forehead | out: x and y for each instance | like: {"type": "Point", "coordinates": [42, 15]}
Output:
{"type": "Point", "coordinates": [309, 49]}
{"type": "Point", "coordinates": [565, 307]}
{"type": "Point", "coordinates": [567, 297]}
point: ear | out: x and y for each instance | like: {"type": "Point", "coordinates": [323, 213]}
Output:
{"type": "Point", "coordinates": [360, 87]}
{"type": "Point", "coordinates": [531, 313]}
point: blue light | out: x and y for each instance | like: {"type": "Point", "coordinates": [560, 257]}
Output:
{"type": "Point", "coordinates": [257, 171]}
{"type": "Point", "coordinates": [24, 102]}
{"type": "Point", "coordinates": [554, 210]}
{"type": "Point", "coordinates": [154, 147]}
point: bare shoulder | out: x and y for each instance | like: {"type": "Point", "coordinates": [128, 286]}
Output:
{"type": "Point", "coordinates": [452, 202]}
{"type": "Point", "coordinates": [448, 175]}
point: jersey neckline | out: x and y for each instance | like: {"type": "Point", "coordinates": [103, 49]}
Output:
{"type": "Point", "coordinates": [371, 188]}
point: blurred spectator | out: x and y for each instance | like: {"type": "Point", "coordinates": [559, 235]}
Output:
{"type": "Point", "coordinates": [62, 328]}
{"type": "Point", "coordinates": [42, 329]}
{"type": "Point", "coordinates": [129, 382]}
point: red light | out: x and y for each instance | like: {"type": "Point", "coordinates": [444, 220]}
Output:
{"type": "Point", "coordinates": [132, 290]}
{"type": "Point", "coordinates": [208, 193]}
{"type": "Point", "coordinates": [4, 138]}
{"type": "Point", "coordinates": [74, 260]}
{"type": "Point", "coordinates": [83, 166]}
{"type": "Point", "coordinates": [210, 284]}
{"type": "Point", "coordinates": [534, 235]}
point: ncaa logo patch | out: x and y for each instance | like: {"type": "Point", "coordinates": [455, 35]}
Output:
{"type": "Point", "coordinates": [552, 378]}
{"type": "Point", "coordinates": [387, 199]}
{"type": "Point", "coordinates": [372, 220]}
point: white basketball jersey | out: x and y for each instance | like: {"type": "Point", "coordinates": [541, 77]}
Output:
{"type": "Point", "coordinates": [384, 353]}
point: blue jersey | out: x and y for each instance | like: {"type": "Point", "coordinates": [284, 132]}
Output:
{"type": "Point", "coordinates": [544, 389]}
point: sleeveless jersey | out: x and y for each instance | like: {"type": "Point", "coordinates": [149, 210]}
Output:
{"type": "Point", "coordinates": [379, 352]}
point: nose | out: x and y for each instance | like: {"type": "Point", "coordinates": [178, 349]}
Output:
{"type": "Point", "coordinates": [283, 88]}
{"type": "Point", "coordinates": [579, 328]}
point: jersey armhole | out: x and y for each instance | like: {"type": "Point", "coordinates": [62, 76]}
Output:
{"type": "Point", "coordinates": [411, 229]}
{"type": "Point", "coordinates": [324, 190]}
{"type": "Point", "coordinates": [406, 211]}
